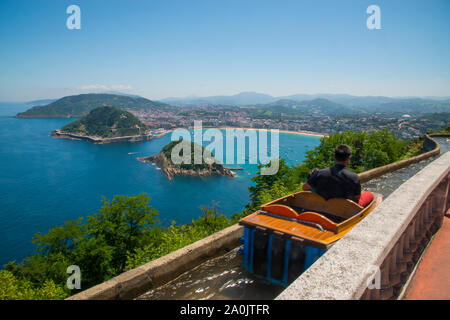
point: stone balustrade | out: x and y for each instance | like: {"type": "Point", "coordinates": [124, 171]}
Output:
{"type": "Point", "coordinates": [376, 258]}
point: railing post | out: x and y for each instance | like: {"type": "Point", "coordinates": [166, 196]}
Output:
{"type": "Point", "coordinates": [394, 273]}
{"type": "Point", "coordinates": [407, 251]}
{"type": "Point", "coordinates": [441, 204]}
{"type": "Point", "coordinates": [418, 232]}
{"type": "Point", "coordinates": [386, 291]}
{"type": "Point", "coordinates": [427, 222]}
{"type": "Point", "coordinates": [401, 260]}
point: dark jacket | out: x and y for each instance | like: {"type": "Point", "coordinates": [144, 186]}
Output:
{"type": "Point", "coordinates": [336, 182]}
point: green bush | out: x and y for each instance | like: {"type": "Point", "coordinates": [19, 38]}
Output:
{"type": "Point", "coordinates": [369, 150]}
{"type": "Point", "coordinates": [12, 288]}
{"type": "Point", "coordinates": [176, 236]}
{"type": "Point", "coordinates": [122, 235]}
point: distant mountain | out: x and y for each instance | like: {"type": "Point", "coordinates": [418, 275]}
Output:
{"type": "Point", "coordinates": [48, 101]}
{"type": "Point", "coordinates": [40, 102]}
{"type": "Point", "coordinates": [122, 94]}
{"type": "Point", "coordinates": [345, 99]}
{"type": "Point", "coordinates": [339, 104]}
{"type": "Point", "coordinates": [446, 99]}
{"type": "Point", "coordinates": [243, 98]}
{"type": "Point", "coordinates": [414, 106]}
{"type": "Point", "coordinates": [287, 103]}
{"type": "Point", "coordinates": [253, 98]}
{"type": "Point", "coordinates": [354, 103]}
{"type": "Point", "coordinates": [299, 108]}
{"type": "Point", "coordinates": [80, 105]}
{"type": "Point", "coordinates": [106, 122]}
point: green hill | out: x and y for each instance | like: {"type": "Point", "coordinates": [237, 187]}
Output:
{"type": "Point", "coordinates": [106, 122]}
{"type": "Point", "coordinates": [414, 106]}
{"type": "Point", "coordinates": [81, 105]}
{"type": "Point", "coordinates": [437, 117]}
{"type": "Point", "coordinates": [291, 108]}
{"type": "Point", "coordinates": [206, 168]}
{"type": "Point", "coordinates": [167, 151]}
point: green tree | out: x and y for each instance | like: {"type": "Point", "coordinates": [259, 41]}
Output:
{"type": "Point", "coordinates": [270, 187]}
{"type": "Point", "coordinates": [121, 223]}
{"type": "Point", "coordinates": [99, 247]}
{"type": "Point", "coordinates": [176, 236]}
{"type": "Point", "coordinates": [369, 150]}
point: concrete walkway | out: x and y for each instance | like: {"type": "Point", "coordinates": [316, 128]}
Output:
{"type": "Point", "coordinates": [432, 278]}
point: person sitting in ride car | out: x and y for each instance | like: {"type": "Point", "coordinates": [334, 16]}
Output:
{"type": "Point", "coordinates": [338, 181]}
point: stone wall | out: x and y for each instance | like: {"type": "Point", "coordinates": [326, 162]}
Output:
{"type": "Point", "coordinates": [429, 144]}
{"type": "Point", "coordinates": [135, 282]}
{"type": "Point", "coordinates": [385, 246]}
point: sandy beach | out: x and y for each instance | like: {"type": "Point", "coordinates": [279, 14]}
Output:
{"type": "Point", "coordinates": [303, 133]}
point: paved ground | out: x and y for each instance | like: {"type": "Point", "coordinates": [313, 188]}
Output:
{"type": "Point", "coordinates": [432, 278]}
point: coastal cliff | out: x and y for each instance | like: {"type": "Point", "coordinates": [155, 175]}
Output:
{"type": "Point", "coordinates": [100, 140]}
{"type": "Point", "coordinates": [162, 160]}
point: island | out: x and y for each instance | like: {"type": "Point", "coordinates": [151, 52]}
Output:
{"type": "Point", "coordinates": [105, 125]}
{"type": "Point", "coordinates": [164, 162]}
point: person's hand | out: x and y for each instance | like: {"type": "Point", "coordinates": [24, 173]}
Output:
{"type": "Point", "coordinates": [310, 174]}
{"type": "Point", "coordinates": [306, 187]}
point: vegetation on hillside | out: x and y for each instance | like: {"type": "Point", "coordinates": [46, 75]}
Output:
{"type": "Point", "coordinates": [179, 158]}
{"type": "Point", "coordinates": [438, 117]}
{"type": "Point", "coordinates": [106, 122]}
{"type": "Point", "coordinates": [80, 105]}
{"type": "Point", "coordinates": [445, 130]}
{"type": "Point", "coordinates": [413, 106]}
{"type": "Point", "coordinates": [194, 147]}
{"type": "Point", "coordinates": [295, 109]}
{"type": "Point", "coordinates": [370, 150]}
{"type": "Point", "coordinates": [125, 232]}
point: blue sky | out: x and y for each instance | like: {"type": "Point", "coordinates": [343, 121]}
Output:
{"type": "Point", "coordinates": [163, 48]}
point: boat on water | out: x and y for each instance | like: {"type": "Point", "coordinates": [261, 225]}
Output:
{"type": "Point", "coordinates": [286, 236]}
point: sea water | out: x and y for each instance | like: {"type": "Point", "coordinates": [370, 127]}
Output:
{"type": "Point", "coordinates": [46, 181]}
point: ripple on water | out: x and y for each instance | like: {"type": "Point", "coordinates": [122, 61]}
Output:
{"type": "Point", "coordinates": [220, 278]}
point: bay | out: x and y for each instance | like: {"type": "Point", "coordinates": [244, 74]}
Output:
{"type": "Point", "coordinates": [46, 181]}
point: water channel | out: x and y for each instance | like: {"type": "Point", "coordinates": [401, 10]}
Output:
{"type": "Point", "coordinates": [223, 277]}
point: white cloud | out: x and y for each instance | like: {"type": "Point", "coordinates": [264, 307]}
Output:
{"type": "Point", "coordinates": [102, 87]}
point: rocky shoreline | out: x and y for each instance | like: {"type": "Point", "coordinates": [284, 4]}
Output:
{"type": "Point", "coordinates": [100, 140]}
{"type": "Point", "coordinates": [171, 170]}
